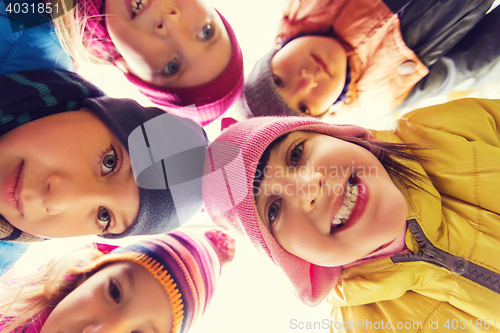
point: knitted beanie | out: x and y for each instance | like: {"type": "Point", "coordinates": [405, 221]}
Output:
{"type": "Point", "coordinates": [260, 92]}
{"type": "Point", "coordinates": [188, 267]}
{"type": "Point", "coordinates": [211, 99]}
{"type": "Point", "coordinates": [230, 168]}
{"type": "Point", "coordinates": [158, 144]}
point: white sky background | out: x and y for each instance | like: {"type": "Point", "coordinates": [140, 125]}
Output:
{"type": "Point", "coordinates": [253, 294]}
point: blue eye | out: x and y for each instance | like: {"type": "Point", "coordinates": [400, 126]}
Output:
{"type": "Point", "coordinates": [206, 33]}
{"type": "Point", "coordinates": [273, 211]}
{"type": "Point", "coordinates": [171, 68]}
{"type": "Point", "coordinates": [296, 153]}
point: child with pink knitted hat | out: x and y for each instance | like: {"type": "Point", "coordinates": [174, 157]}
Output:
{"type": "Point", "coordinates": [161, 284]}
{"type": "Point", "coordinates": [177, 53]}
{"type": "Point", "coordinates": [389, 227]}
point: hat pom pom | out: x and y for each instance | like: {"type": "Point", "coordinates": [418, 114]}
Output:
{"type": "Point", "coordinates": [223, 244]}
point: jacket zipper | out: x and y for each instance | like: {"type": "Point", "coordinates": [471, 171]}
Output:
{"type": "Point", "coordinates": [461, 266]}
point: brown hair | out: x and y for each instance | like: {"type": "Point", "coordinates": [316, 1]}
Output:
{"type": "Point", "coordinates": [391, 155]}
{"type": "Point", "coordinates": [23, 297]}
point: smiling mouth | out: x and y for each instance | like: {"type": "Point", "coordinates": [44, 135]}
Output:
{"type": "Point", "coordinates": [348, 203]}
{"type": "Point", "coordinates": [138, 5]}
{"type": "Point", "coordinates": [321, 63]}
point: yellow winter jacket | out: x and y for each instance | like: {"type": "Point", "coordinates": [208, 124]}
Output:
{"type": "Point", "coordinates": [459, 215]}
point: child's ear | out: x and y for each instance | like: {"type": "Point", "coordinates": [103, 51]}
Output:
{"type": "Point", "coordinates": [121, 64]}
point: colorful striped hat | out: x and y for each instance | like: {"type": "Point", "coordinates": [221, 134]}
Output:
{"type": "Point", "coordinates": [187, 266]}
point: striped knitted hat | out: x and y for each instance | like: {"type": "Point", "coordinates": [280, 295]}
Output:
{"type": "Point", "coordinates": [187, 266]}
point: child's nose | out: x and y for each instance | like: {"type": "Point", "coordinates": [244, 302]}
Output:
{"type": "Point", "coordinates": [63, 193]}
{"type": "Point", "coordinates": [59, 194]}
{"type": "Point", "coordinates": [306, 81]}
{"type": "Point", "coordinates": [166, 22]}
{"type": "Point", "coordinates": [308, 190]}
{"type": "Point", "coordinates": [103, 327]}
{"type": "Point", "coordinates": [92, 328]}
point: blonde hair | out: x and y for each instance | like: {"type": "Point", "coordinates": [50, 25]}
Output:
{"type": "Point", "coordinates": [23, 297]}
{"type": "Point", "coordinates": [70, 30]}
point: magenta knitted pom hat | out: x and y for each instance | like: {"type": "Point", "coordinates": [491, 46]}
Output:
{"type": "Point", "coordinates": [211, 99]}
{"type": "Point", "coordinates": [229, 171]}
{"type": "Point", "coordinates": [187, 266]}
{"type": "Point", "coordinates": [89, 15]}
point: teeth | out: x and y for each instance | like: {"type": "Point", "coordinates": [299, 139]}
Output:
{"type": "Point", "coordinates": [342, 211]}
{"type": "Point", "coordinates": [355, 192]}
{"type": "Point", "coordinates": [348, 204]}
{"type": "Point", "coordinates": [138, 5]}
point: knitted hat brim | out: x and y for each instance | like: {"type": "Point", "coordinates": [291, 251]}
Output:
{"type": "Point", "coordinates": [260, 92]}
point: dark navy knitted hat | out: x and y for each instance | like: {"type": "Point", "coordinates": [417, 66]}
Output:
{"type": "Point", "coordinates": [167, 154]}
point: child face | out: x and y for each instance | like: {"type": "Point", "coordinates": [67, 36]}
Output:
{"type": "Point", "coordinates": [121, 297]}
{"type": "Point", "coordinates": [66, 175]}
{"type": "Point", "coordinates": [310, 73]}
{"type": "Point", "coordinates": [308, 199]}
{"type": "Point", "coordinates": [169, 43]}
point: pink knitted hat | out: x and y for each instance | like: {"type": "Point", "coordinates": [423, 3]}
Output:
{"type": "Point", "coordinates": [230, 167]}
{"type": "Point", "coordinates": [211, 99]}
{"type": "Point", "coordinates": [90, 15]}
